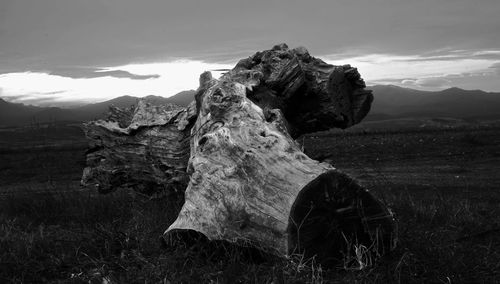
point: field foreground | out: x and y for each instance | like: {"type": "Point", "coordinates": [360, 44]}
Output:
{"type": "Point", "coordinates": [442, 184]}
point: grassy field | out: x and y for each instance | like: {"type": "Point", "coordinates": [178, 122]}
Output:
{"type": "Point", "coordinates": [442, 184]}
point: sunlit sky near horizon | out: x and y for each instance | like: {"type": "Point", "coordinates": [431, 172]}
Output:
{"type": "Point", "coordinates": [63, 53]}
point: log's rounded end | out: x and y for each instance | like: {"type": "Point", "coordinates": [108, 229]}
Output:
{"type": "Point", "coordinates": [335, 219]}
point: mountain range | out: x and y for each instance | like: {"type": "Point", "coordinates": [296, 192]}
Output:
{"type": "Point", "coordinates": [15, 114]}
{"type": "Point", "coordinates": [390, 102]}
{"type": "Point", "coordinates": [397, 102]}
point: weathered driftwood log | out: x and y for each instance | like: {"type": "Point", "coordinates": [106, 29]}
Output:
{"type": "Point", "coordinates": [249, 181]}
{"type": "Point", "coordinates": [143, 148]}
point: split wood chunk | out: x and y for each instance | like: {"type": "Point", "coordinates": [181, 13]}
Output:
{"type": "Point", "coordinates": [145, 148]}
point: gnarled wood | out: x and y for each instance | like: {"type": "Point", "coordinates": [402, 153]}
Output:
{"type": "Point", "coordinates": [247, 174]}
{"type": "Point", "coordinates": [145, 148]}
{"type": "Point", "coordinates": [312, 94]}
{"type": "Point", "coordinates": [245, 178]}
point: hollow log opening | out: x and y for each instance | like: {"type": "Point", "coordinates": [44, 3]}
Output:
{"type": "Point", "coordinates": [333, 215]}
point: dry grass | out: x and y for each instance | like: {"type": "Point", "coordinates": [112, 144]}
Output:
{"type": "Point", "coordinates": [449, 228]}
{"type": "Point", "coordinates": [80, 237]}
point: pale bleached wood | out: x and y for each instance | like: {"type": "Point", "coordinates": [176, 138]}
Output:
{"type": "Point", "coordinates": [247, 173]}
{"type": "Point", "coordinates": [233, 151]}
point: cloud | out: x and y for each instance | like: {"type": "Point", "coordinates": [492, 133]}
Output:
{"type": "Point", "coordinates": [114, 32]}
{"type": "Point", "coordinates": [454, 55]}
{"type": "Point", "coordinates": [68, 85]}
{"type": "Point", "coordinates": [36, 99]}
{"type": "Point", "coordinates": [88, 72]}
{"type": "Point", "coordinates": [496, 67]}
{"type": "Point", "coordinates": [409, 82]}
{"type": "Point", "coordinates": [173, 77]}
{"type": "Point", "coordinates": [483, 79]}
{"type": "Point", "coordinates": [381, 67]}
{"type": "Point", "coordinates": [427, 82]}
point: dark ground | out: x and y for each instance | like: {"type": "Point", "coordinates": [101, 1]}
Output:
{"type": "Point", "coordinates": [443, 185]}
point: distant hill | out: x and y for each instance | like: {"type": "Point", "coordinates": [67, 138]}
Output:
{"type": "Point", "coordinates": [183, 98]}
{"type": "Point", "coordinates": [12, 109]}
{"type": "Point", "coordinates": [391, 102]}
{"type": "Point", "coordinates": [98, 110]}
{"type": "Point", "coordinates": [13, 114]}
{"type": "Point", "coordinates": [397, 102]}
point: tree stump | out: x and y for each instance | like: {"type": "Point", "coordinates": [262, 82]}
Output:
{"type": "Point", "coordinates": [246, 179]}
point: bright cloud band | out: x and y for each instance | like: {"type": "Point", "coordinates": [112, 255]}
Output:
{"type": "Point", "coordinates": [47, 89]}
{"type": "Point", "coordinates": [456, 68]}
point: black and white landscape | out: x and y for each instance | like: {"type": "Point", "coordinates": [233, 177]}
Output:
{"type": "Point", "coordinates": [391, 103]}
{"type": "Point", "coordinates": [181, 142]}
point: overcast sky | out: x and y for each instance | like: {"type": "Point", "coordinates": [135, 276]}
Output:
{"type": "Point", "coordinates": [64, 52]}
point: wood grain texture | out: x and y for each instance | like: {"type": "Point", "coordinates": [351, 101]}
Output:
{"type": "Point", "coordinates": [312, 94]}
{"type": "Point", "coordinates": [145, 148]}
{"type": "Point", "coordinates": [247, 174]}
{"type": "Point", "coordinates": [245, 171]}
{"type": "Point", "coordinates": [232, 155]}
